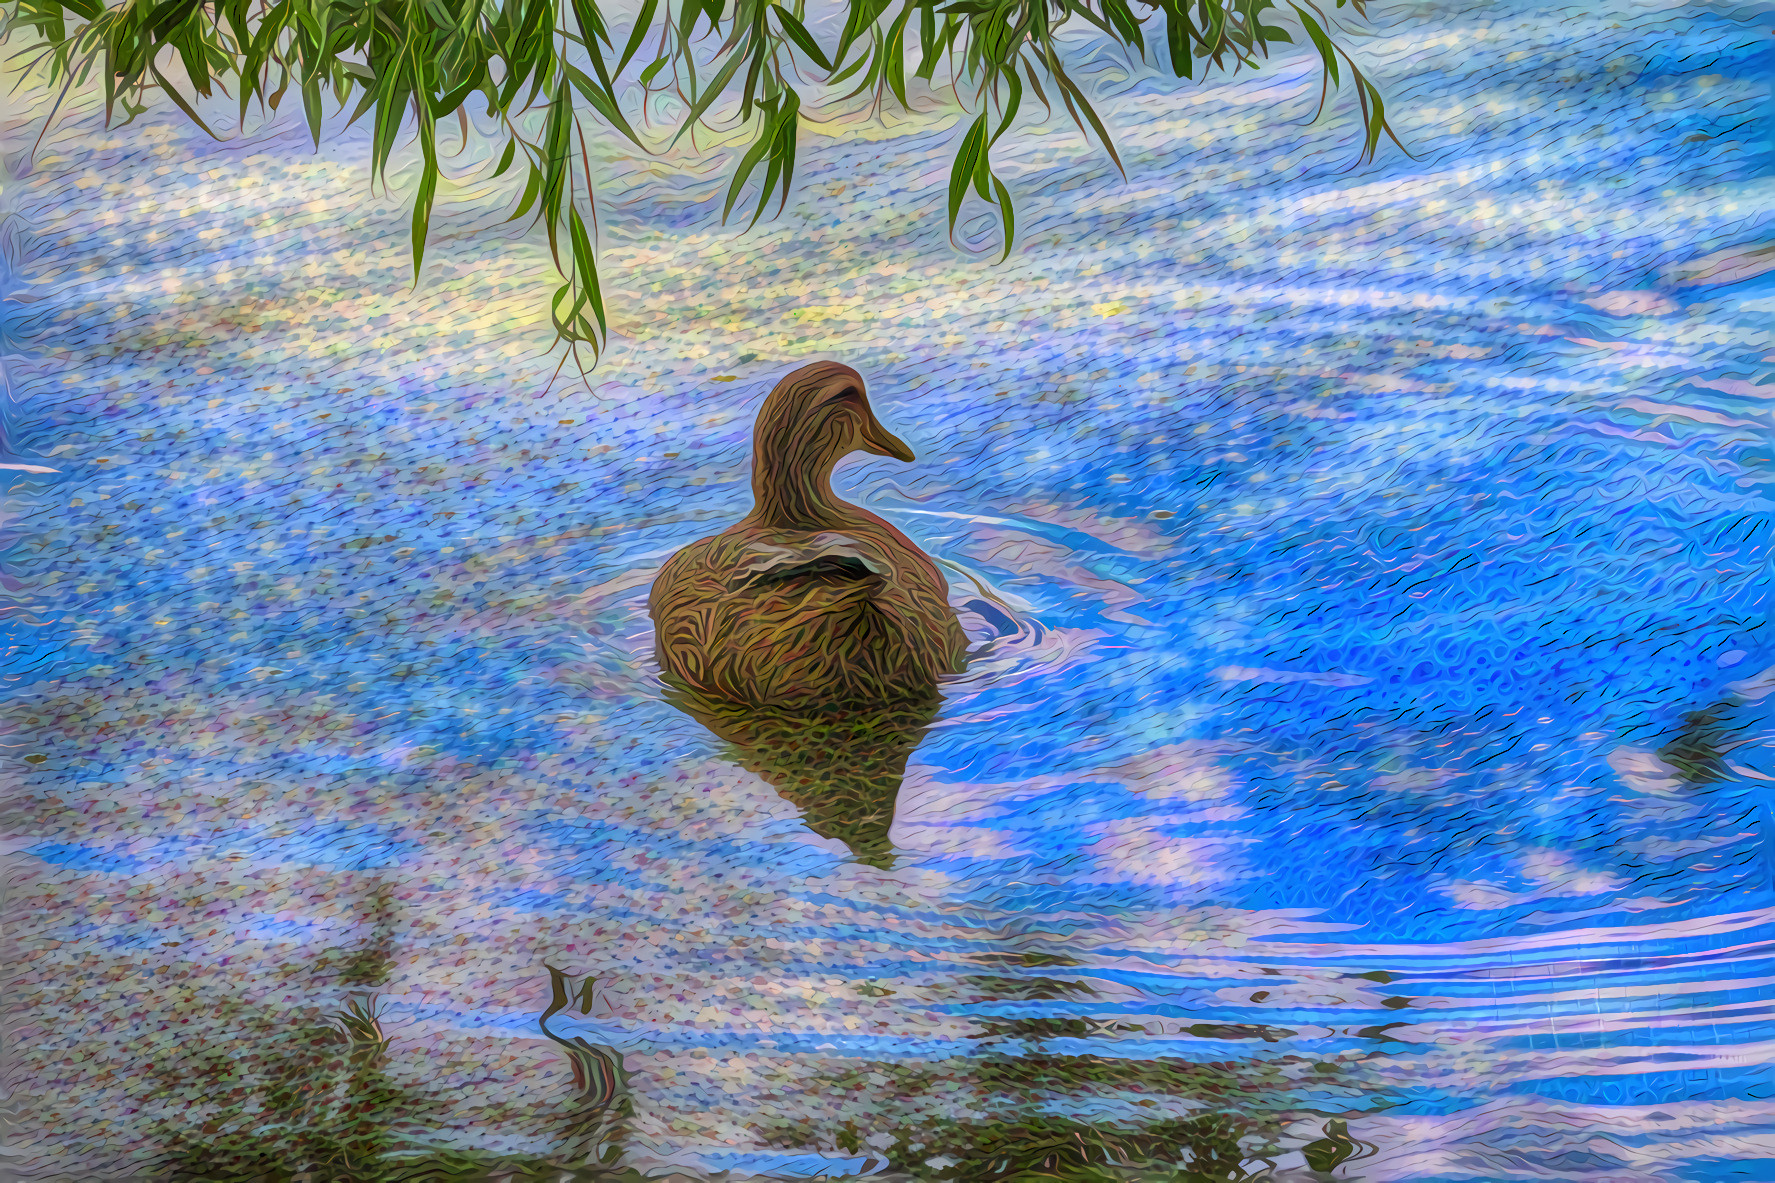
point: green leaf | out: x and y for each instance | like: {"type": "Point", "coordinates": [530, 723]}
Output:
{"type": "Point", "coordinates": [927, 68]}
{"type": "Point", "coordinates": [961, 170]}
{"type": "Point", "coordinates": [179, 99]}
{"type": "Point", "coordinates": [527, 57]}
{"type": "Point", "coordinates": [557, 145]}
{"type": "Point", "coordinates": [863, 15]}
{"type": "Point", "coordinates": [429, 56]}
{"type": "Point", "coordinates": [748, 162]}
{"type": "Point", "coordinates": [1011, 104]}
{"type": "Point", "coordinates": [168, 16]}
{"type": "Point", "coordinates": [603, 96]}
{"type": "Point", "coordinates": [585, 265]}
{"type": "Point", "coordinates": [1073, 95]}
{"type": "Point", "coordinates": [876, 59]}
{"type": "Point", "coordinates": [1125, 22]}
{"type": "Point", "coordinates": [1321, 42]}
{"type": "Point", "coordinates": [779, 173]}
{"type": "Point", "coordinates": [1036, 85]}
{"type": "Point", "coordinates": [189, 44]}
{"type": "Point", "coordinates": [1216, 31]}
{"type": "Point", "coordinates": [448, 103]}
{"type": "Point", "coordinates": [1374, 124]}
{"type": "Point", "coordinates": [428, 187]}
{"type": "Point", "coordinates": [711, 92]}
{"type": "Point", "coordinates": [797, 32]}
{"type": "Point", "coordinates": [851, 69]}
{"type": "Point", "coordinates": [505, 159]}
{"type": "Point", "coordinates": [1009, 215]}
{"type": "Point", "coordinates": [365, 104]}
{"type": "Point", "coordinates": [1178, 33]}
{"type": "Point", "coordinates": [564, 326]}
{"type": "Point", "coordinates": [683, 54]}
{"type": "Point", "coordinates": [696, 8]}
{"type": "Point", "coordinates": [1081, 10]}
{"type": "Point", "coordinates": [643, 25]}
{"type": "Point", "coordinates": [894, 56]}
{"type": "Point", "coordinates": [591, 22]}
{"type": "Point", "coordinates": [531, 189]}
{"type": "Point", "coordinates": [602, 101]}
{"type": "Point", "coordinates": [789, 123]}
{"type": "Point", "coordinates": [749, 91]}
{"type": "Point", "coordinates": [391, 102]}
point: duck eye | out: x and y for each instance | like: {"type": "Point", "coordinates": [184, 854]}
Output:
{"type": "Point", "coordinates": [849, 392]}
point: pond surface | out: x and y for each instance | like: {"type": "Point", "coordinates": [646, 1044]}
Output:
{"type": "Point", "coordinates": [1367, 570]}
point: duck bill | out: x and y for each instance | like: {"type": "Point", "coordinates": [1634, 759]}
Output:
{"type": "Point", "coordinates": [876, 439]}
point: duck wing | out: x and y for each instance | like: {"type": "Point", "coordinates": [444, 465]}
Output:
{"type": "Point", "coordinates": [848, 614]}
{"type": "Point", "coordinates": [715, 591]}
{"type": "Point", "coordinates": [826, 567]}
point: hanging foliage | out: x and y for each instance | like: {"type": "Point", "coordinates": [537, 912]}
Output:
{"type": "Point", "coordinates": [425, 59]}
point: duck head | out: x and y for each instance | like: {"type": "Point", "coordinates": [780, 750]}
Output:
{"type": "Point", "coordinates": [813, 419]}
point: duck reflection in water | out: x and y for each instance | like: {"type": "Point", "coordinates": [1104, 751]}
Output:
{"type": "Point", "coordinates": [841, 767]}
{"type": "Point", "coordinates": [811, 634]}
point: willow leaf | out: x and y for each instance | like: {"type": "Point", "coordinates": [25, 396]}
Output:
{"type": "Point", "coordinates": [602, 101]}
{"type": "Point", "coordinates": [532, 188]}
{"type": "Point", "coordinates": [449, 102]}
{"type": "Point", "coordinates": [428, 188]}
{"type": "Point", "coordinates": [862, 17]}
{"type": "Point", "coordinates": [894, 56]}
{"type": "Point", "coordinates": [179, 99]}
{"type": "Point", "coordinates": [1008, 214]}
{"type": "Point", "coordinates": [748, 162]}
{"type": "Point", "coordinates": [797, 32]}
{"type": "Point", "coordinates": [927, 68]}
{"type": "Point", "coordinates": [506, 157]}
{"type": "Point", "coordinates": [643, 25]}
{"type": "Point", "coordinates": [1010, 105]}
{"type": "Point", "coordinates": [1070, 89]}
{"type": "Point", "coordinates": [961, 171]}
{"type": "Point", "coordinates": [585, 265]}
{"type": "Point", "coordinates": [710, 93]}
{"type": "Point", "coordinates": [789, 123]}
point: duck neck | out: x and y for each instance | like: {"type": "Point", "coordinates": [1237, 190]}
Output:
{"type": "Point", "coordinates": [794, 496]}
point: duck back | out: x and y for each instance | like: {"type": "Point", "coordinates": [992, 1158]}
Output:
{"type": "Point", "coordinates": [852, 613]}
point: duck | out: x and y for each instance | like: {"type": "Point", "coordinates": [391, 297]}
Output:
{"type": "Point", "coordinates": [807, 602]}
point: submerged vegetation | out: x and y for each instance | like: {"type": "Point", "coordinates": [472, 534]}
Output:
{"type": "Point", "coordinates": [545, 68]}
{"type": "Point", "coordinates": [307, 1093]}
{"type": "Point", "coordinates": [1015, 1110]}
{"type": "Point", "coordinates": [313, 1098]}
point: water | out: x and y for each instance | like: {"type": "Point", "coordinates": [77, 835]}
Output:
{"type": "Point", "coordinates": [1374, 731]}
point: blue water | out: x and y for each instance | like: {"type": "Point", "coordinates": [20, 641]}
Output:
{"type": "Point", "coordinates": [1383, 553]}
